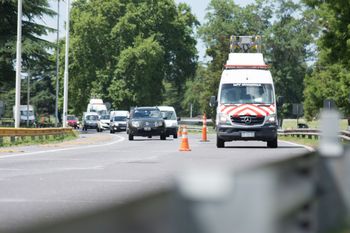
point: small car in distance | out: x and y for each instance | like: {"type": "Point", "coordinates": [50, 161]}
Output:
{"type": "Point", "coordinates": [118, 123]}
{"type": "Point", "coordinates": [103, 123]}
{"type": "Point", "coordinates": [72, 121]}
{"type": "Point", "coordinates": [170, 119]}
{"type": "Point", "coordinates": [90, 120]}
{"type": "Point", "coordinates": [146, 122]}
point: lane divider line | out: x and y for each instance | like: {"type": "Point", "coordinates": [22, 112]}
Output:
{"type": "Point", "coordinates": [120, 139]}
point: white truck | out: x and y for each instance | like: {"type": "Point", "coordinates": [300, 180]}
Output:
{"type": "Point", "coordinates": [97, 105]}
{"type": "Point", "coordinates": [26, 114]}
{"type": "Point", "coordinates": [246, 106]}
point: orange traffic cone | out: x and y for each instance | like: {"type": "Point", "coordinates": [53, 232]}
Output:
{"type": "Point", "coordinates": [184, 142]}
{"type": "Point", "coordinates": [204, 129]}
{"type": "Point", "coordinates": [179, 131]}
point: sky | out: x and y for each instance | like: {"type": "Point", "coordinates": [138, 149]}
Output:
{"type": "Point", "coordinates": [198, 8]}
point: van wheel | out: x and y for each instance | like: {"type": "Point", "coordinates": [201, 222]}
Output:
{"type": "Point", "coordinates": [219, 142]}
{"type": "Point", "coordinates": [272, 144]}
{"type": "Point", "coordinates": [131, 137]}
{"type": "Point", "coordinates": [162, 137]}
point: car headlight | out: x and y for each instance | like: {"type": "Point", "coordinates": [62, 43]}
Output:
{"type": "Point", "coordinates": [271, 118]}
{"type": "Point", "coordinates": [135, 124]}
{"type": "Point", "coordinates": [158, 123]}
{"type": "Point", "coordinates": [224, 119]}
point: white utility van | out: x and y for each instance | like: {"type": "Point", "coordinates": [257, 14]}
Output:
{"type": "Point", "coordinates": [170, 119]}
{"type": "Point", "coordinates": [246, 105]}
{"type": "Point", "coordinates": [26, 114]}
{"type": "Point", "coordinates": [97, 105]}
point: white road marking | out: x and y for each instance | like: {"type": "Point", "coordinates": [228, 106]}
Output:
{"type": "Point", "coordinates": [111, 180]}
{"type": "Point", "coordinates": [64, 149]}
{"type": "Point", "coordinates": [296, 144]}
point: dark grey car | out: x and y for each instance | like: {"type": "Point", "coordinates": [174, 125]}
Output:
{"type": "Point", "coordinates": [146, 122]}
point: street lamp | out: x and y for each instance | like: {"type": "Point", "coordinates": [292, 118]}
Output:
{"type": "Point", "coordinates": [65, 92]}
{"type": "Point", "coordinates": [57, 61]}
{"type": "Point", "coordinates": [18, 64]}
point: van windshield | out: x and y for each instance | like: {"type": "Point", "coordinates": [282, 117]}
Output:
{"type": "Point", "coordinates": [246, 93]}
{"type": "Point", "coordinates": [26, 113]}
{"type": "Point", "coordinates": [168, 115]}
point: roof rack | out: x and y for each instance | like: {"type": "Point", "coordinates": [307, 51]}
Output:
{"type": "Point", "coordinates": [261, 67]}
{"type": "Point", "coordinates": [245, 43]}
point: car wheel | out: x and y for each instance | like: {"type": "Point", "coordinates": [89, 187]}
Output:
{"type": "Point", "coordinates": [111, 131]}
{"type": "Point", "coordinates": [162, 137]}
{"type": "Point", "coordinates": [149, 136]}
{"type": "Point", "coordinates": [175, 135]}
{"type": "Point", "coordinates": [272, 144]}
{"type": "Point", "coordinates": [219, 142]}
{"type": "Point", "coordinates": [131, 137]}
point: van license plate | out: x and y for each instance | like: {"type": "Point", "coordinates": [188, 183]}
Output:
{"type": "Point", "coordinates": [247, 134]}
{"type": "Point", "coordinates": [147, 128]}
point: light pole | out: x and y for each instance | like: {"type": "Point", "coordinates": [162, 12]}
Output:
{"type": "Point", "coordinates": [18, 64]}
{"type": "Point", "coordinates": [57, 61]}
{"type": "Point", "coordinates": [65, 92]}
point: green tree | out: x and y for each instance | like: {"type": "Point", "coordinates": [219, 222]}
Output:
{"type": "Point", "coordinates": [330, 77]}
{"type": "Point", "coordinates": [34, 49]}
{"type": "Point", "coordinates": [36, 59]}
{"type": "Point", "coordinates": [127, 51]}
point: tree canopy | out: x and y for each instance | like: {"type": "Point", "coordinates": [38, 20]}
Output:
{"type": "Point", "coordinates": [34, 49]}
{"type": "Point", "coordinates": [130, 52]}
{"type": "Point", "coordinates": [330, 77]}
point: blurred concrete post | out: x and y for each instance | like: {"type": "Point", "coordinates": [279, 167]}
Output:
{"type": "Point", "coordinates": [330, 144]}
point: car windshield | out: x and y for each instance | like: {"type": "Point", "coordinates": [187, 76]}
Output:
{"type": "Point", "coordinates": [91, 117]}
{"type": "Point", "coordinates": [147, 113]}
{"type": "Point", "coordinates": [119, 118]}
{"type": "Point", "coordinates": [168, 115]}
{"type": "Point", "coordinates": [246, 93]}
{"type": "Point", "coordinates": [70, 118]}
{"type": "Point", "coordinates": [104, 117]}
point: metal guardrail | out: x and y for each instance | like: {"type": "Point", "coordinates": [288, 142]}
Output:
{"type": "Point", "coordinates": [310, 133]}
{"type": "Point", "coordinates": [15, 134]}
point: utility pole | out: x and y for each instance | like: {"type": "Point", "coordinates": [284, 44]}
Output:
{"type": "Point", "coordinates": [65, 92]}
{"type": "Point", "coordinates": [57, 61]}
{"type": "Point", "coordinates": [18, 64]}
{"type": "Point", "coordinates": [28, 96]}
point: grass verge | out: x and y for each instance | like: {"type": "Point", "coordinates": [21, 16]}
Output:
{"type": "Point", "coordinates": [303, 141]}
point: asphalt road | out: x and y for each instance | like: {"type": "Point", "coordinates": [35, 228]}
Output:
{"type": "Point", "coordinates": [48, 182]}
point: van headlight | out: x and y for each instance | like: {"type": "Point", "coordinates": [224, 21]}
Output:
{"type": "Point", "coordinates": [224, 119]}
{"type": "Point", "coordinates": [271, 118]}
{"type": "Point", "coordinates": [135, 124]}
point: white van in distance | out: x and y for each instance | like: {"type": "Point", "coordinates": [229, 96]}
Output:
{"type": "Point", "coordinates": [170, 119]}
{"type": "Point", "coordinates": [97, 105]}
{"type": "Point", "coordinates": [26, 114]}
{"type": "Point", "coordinates": [246, 106]}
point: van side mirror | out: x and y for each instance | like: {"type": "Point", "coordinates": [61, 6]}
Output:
{"type": "Point", "coordinates": [178, 118]}
{"type": "Point", "coordinates": [213, 102]}
{"type": "Point", "coordinates": [280, 101]}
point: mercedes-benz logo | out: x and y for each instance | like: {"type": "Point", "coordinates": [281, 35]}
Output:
{"type": "Point", "coordinates": [247, 119]}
